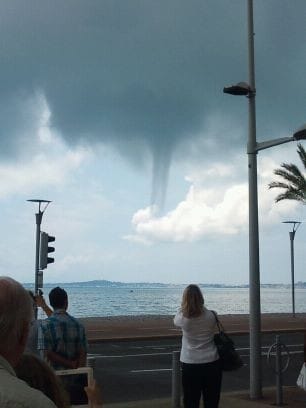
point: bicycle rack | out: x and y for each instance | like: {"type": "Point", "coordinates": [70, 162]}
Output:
{"type": "Point", "coordinates": [277, 349]}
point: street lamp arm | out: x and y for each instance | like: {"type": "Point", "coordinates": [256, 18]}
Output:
{"type": "Point", "coordinates": [296, 226]}
{"type": "Point", "coordinates": [271, 143]}
{"type": "Point", "coordinates": [297, 136]}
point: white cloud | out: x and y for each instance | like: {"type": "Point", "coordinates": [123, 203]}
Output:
{"type": "Point", "coordinates": [210, 211]}
{"type": "Point", "coordinates": [201, 175]}
{"type": "Point", "coordinates": [49, 162]}
{"type": "Point", "coordinates": [138, 239]}
{"type": "Point", "coordinates": [199, 214]}
{"type": "Point", "coordinates": [38, 172]}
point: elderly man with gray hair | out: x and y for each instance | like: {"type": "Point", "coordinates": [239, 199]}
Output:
{"type": "Point", "coordinates": [15, 318]}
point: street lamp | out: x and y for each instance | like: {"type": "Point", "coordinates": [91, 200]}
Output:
{"type": "Point", "coordinates": [249, 90]}
{"type": "Point", "coordinates": [38, 216]}
{"type": "Point", "coordinates": [295, 226]}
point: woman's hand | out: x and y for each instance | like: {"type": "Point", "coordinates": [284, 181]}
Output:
{"type": "Point", "coordinates": [94, 394]}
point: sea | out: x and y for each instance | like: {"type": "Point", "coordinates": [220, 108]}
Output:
{"type": "Point", "coordinates": [94, 299]}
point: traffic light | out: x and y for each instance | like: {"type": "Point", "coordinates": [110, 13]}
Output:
{"type": "Point", "coordinates": [44, 259]}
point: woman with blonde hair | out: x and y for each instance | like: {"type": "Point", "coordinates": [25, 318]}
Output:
{"type": "Point", "coordinates": [201, 368]}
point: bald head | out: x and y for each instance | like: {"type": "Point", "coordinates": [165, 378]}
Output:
{"type": "Point", "coordinates": [15, 313]}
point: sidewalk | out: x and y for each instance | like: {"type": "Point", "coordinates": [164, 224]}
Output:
{"type": "Point", "coordinates": [103, 329]}
{"type": "Point", "coordinates": [293, 397]}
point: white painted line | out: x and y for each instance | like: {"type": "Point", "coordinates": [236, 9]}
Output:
{"type": "Point", "coordinates": [267, 347]}
{"type": "Point", "coordinates": [284, 353]}
{"type": "Point", "coordinates": [150, 371]}
{"type": "Point", "coordinates": [151, 347]}
{"type": "Point", "coordinates": [138, 347]}
{"type": "Point", "coordinates": [241, 349]}
{"type": "Point", "coordinates": [131, 355]}
{"type": "Point", "coordinates": [265, 354]}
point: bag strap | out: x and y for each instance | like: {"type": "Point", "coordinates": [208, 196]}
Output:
{"type": "Point", "coordinates": [219, 324]}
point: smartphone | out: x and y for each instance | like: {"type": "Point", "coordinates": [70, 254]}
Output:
{"type": "Point", "coordinates": [74, 382]}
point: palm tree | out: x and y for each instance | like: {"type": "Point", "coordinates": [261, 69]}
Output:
{"type": "Point", "coordinates": [294, 182]}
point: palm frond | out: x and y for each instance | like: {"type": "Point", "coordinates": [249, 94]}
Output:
{"type": "Point", "coordinates": [294, 181]}
{"type": "Point", "coordinates": [297, 180]}
{"type": "Point", "coordinates": [289, 196]}
{"type": "Point", "coordinates": [277, 184]}
{"type": "Point", "coordinates": [302, 154]}
{"type": "Point", "coordinates": [292, 169]}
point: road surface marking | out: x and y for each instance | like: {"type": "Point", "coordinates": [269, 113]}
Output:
{"type": "Point", "coordinates": [131, 355]}
{"type": "Point", "coordinates": [239, 349]}
{"type": "Point", "coordinates": [150, 371]}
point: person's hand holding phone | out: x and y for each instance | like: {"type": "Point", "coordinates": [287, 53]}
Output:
{"type": "Point", "coordinates": [94, 394]}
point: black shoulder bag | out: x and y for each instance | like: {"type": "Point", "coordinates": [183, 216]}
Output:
{"type": "Point", "coordinates": [229, 357]}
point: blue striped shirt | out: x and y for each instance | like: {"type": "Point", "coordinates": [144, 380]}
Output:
{"type": "Point", "coordinates": [62, 334]}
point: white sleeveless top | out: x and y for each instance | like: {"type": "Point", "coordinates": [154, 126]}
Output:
{"type": "Point", "coordinates": [198, 345]}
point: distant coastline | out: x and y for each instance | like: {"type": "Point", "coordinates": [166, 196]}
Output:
{"type": "Point", "coordinates": [133, 285]}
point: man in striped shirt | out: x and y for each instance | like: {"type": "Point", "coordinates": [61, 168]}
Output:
{"type": "Point", "coordinates": [61, 337]}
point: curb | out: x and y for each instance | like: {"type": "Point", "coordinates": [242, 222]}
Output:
{"type": "Point", "coordinates": [293, 397]}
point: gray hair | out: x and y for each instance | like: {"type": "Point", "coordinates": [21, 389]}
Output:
{"type": "Point", "coordinates": [16, 311]}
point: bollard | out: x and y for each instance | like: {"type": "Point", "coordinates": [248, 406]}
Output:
{"type": "Point", "coordinates": [176, 380]}
{"type": "Point", "coordinates": [278, 370]}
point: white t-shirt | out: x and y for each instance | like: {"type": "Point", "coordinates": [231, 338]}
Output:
{"type": "Point", "coordinates": [15, 393]}
{"type": "Point", "coordinates": [198, 345]}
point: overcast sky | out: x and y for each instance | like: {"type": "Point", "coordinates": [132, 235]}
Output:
{"type": "Point", "coordinates": [114, 110]}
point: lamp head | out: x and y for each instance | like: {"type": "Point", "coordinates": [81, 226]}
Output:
{"type": "Point", "coordinates": [242, 88]}
{"type": "Point", "coordinates": [300, 134]}
{"type": "Point", "coordinates": [295, 226]}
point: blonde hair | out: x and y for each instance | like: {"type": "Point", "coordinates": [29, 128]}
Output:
{"type": "Point", "coordinates": [39, 375]}
{"type": "Point", "coordinates": [192, 301]}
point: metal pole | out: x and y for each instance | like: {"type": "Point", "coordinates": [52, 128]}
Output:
{"type": "Point", "coordinates": [254, 274]}
{"type": "Point", "coordinates": [291, 235]}
{"type": "Point", "coordinates": [38, 217]}
{"type": "Point", "coordinates": [176, 380]}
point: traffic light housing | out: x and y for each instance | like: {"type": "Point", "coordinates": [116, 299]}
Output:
{"type": "Point", "coordinates": [45, 249]}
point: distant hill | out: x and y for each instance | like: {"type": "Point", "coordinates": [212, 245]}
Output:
{"type": "Point", "coordinates": [107, 283]}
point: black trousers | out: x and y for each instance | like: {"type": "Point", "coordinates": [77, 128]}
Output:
{"type": "Point", "coordinates": [202, 379]}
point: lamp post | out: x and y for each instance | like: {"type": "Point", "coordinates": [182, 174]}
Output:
{"type": "Point", "coordinates": [38, 217]}
{"type": "Point", "coordinates": [253, 147]}
{"type": "Point", "coordinates": [295, 226]}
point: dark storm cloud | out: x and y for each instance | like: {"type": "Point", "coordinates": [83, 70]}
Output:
{"type": "Point", "coordinates": [147, 73]}
{"type": "Point", "coordinates": [120, 69]}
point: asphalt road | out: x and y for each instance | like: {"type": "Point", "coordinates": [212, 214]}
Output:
{"type": "Point", "coordinates": [141, 370]}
